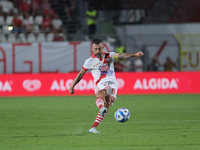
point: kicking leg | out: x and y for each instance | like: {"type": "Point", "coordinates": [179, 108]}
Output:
{"type": "Point", "coordinates": [102, 110]}
{"type": "Point", "coordinates": [108, 101]}
{"type": "Point", "coordinates": [100, 102]}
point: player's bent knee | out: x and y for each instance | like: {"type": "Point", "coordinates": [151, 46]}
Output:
{"type": "Point", "coordinates": [111, 99]}
{"type": "Point", "coordinates": [101, 93]}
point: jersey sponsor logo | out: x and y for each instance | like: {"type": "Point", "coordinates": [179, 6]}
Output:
{"type": "Point", "coordinates": [154, 84]}
{"type": "Point", "coordinates": [5, 86]}
{"type": "Point", "coordinates": [104, 67]}
{"type": "Point", "coordinates": [31, 85]}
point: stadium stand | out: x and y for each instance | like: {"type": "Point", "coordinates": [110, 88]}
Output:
{"type": "Point", "coordinates": [31, 37]}
{"type": "Point", "coordinates": [173, 11]}
{"type": "Point", "coordinates": [124, 11]}
{"type": "Point", "coordinates": [35, 10]}
{"type": "Point", "coordinates": [50, 37]}
{"type": "Point", "coordinates": [72, 22]}
{"type": "Point", "coordinates": [41, 37]}
{"type": "Point", "coordinates": [185, 11]}
{"type": "Point", "coordinates": [22, 38]}
{"type": "Point", "coordinates": [12, 38]}
{"type": "Point", "coordinates": [112, 12]}
{"type": "Point", "coordinates": [160, 12]}
{"type": "Point", "coordinates": [5, 29]}
{"type": "Point", "coordinates": [2, 20]}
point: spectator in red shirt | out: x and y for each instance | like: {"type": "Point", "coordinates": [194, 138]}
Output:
{"type": "Point", "coordinates": [49, 11]}
{"type": "Point", "coordinates": [46, 25]}
{"type": "Point", "coordinates": [17, 24]}
{"type": "Point", "coordinates": [24, 7]}
{"type": "Point", "coordinates": [35, 8]}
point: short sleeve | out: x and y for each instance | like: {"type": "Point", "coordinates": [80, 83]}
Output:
{"type": "Point", "coordinates": [86, 66]}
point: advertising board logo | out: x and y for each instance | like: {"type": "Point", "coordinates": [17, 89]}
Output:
{"type": "Point", "coordinates": [5, 86]}
{"type": "Point", "coordinates": [32, 85]}
{"type": "Point", "coordinates": [83, 85]}
{"type": "Point", "coordinates": [153, 84]}
{"type": "Point", "coordinates": [62, 85]}
{"type": "Point", "coordinates": [120, 83]}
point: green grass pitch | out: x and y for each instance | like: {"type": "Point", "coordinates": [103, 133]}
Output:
{"type": "Point", "coordinates": [157, 122]}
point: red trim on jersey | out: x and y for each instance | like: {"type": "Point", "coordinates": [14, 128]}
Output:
{"type": "Point", "coordinates": [101, 77]}
{"type": "Point", "coordinates": [105, 61]}
{"type": "Point", "coordinates": [84, 69]}
{"type": "Point", "coordinates": [93, 56]}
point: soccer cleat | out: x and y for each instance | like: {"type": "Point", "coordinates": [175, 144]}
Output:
{"type": "Point", "coordinates": [103, 111]}
{"type": "Point", "coordinates": [93, 130]}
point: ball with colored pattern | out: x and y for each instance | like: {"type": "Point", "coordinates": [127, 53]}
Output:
{"type": "Point", "coordinates": [122, 115]}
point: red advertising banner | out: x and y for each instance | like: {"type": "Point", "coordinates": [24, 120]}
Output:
{"type": "Point", "coordinates": [128, 83]}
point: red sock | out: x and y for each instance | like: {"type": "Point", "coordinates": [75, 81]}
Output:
{"type": "Point", "coordinates": [99, 102]}
{"type": "Point", "coordinates": [98, 119]}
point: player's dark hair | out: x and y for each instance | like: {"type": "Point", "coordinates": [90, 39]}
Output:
{"type": "Point", "coordinates": [97, 41]}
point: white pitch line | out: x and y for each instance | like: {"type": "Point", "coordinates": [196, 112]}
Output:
{"type": "Point", "coordinates": [140, 122]}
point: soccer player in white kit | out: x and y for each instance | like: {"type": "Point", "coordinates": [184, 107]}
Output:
{"type": "Point", "coordinates": [101, 65]}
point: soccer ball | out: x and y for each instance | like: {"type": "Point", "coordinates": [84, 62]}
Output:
{"type": "Point", "coordinates": [122, 115]}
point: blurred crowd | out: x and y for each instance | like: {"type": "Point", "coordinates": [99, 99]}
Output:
{"type": "Point", "coordinates": [137, 65]}
{"type": "Point", "coordinates": [168, 65]}
{"type": "Point", "coordinates": [127, 65]}
{"type": "Point", "coordinates": [25, 14]}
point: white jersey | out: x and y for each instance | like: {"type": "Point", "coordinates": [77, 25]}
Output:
{"type": "Point", "coordinates": [101, 69]}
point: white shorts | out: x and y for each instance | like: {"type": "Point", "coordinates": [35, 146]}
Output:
{"type": "Point", "coordinates": [110, 87]}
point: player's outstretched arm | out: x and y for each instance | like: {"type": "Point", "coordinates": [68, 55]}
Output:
{"type": "Point", "coordinates": [130, 55]}
{"type": "Point", "coordinates": [76, 80]}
